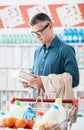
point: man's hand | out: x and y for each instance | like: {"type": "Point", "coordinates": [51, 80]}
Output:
{"type": "Point", "coordinates": [35, 82]}
{"type": "Point", "coordinates": [24, 84]}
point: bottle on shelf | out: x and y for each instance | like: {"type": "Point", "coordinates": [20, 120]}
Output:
{"type": "Point", "coordinates": [80, 36]}
{"type": "Point", "coordinates": [75, 35]}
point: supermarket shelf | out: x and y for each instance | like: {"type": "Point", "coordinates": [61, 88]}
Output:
{"type": "Point", "coordinates": [20, 45]}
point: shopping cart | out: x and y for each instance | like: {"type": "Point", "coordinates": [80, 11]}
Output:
{"type": "Point", "coordinates": [71, 112]}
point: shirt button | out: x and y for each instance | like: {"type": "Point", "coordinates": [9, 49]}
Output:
{"type": "Point", "coordinates": [43, 60]}
{"type": "Point", "coordinates": [46, 51]}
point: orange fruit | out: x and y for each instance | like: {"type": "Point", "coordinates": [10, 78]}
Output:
{"type": "Point", "coordinates": [10, 122]}
{"type": "Point", "coordinates": [20, 123]}
{"type": "Point", "coordinates": [30, 124]}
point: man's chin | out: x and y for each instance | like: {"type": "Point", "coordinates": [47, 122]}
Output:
{"type": "Point", "coordinates": [40, 41]}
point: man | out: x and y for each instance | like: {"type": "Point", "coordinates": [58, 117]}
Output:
{"type": "Point", "coordinates": [54, 56]}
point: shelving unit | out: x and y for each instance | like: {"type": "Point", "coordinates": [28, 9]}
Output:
{"type": "Point", "coordinates": [13, 59]}
{"type": "Point", "coordinates": [9, 94]}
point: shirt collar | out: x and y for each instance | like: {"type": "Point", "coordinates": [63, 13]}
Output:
{"type": "Point", "coordinates": [53, 43]}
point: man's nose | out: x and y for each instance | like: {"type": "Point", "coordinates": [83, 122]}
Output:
{"type": "Point", "coordinates": [37, 35]}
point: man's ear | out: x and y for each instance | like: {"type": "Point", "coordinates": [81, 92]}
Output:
{"type": "Point", "coordinates": [50, 25]}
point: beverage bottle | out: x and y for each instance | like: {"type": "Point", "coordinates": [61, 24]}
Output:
{"type": "Point", "coordinates": [80, 36]}
{"type": "Point", "coordinates": [70, 35]}
{"type": "Point", "coordinates": [16, 110]}
{"type": "Point", "coordinates": [75, 35]}
{"type": "Point", "coordinates": [65, 35]}
{"type": "Point", "coordinates": [55, 115]}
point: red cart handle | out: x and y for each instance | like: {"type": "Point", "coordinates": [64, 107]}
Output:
{"type": "Point", "coordinates": [73, 101]}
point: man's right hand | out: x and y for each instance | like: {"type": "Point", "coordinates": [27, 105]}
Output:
{"type": "Point", "coordinates": [24, 84]}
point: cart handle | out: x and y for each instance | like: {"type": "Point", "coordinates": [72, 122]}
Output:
{"type": "Point", "coordinates": [73, 101]}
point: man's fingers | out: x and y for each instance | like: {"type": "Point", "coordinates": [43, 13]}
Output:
{"type": "Point", "coordinates": [33, 75]}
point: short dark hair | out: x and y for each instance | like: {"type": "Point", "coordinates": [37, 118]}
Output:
{"type": "Point", "coordinates": [40, 17]}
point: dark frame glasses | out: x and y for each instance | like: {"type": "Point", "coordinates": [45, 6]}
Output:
{"type": "Point", "coordinates": [39, 32]}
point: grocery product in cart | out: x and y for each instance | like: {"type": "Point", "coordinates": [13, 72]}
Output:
{"type": "Point", "coordinates": [29, 114]}
{"type": "Point", "coordinates": [54, 116]}
{"type": "Point", "coordinates": [15, 110]}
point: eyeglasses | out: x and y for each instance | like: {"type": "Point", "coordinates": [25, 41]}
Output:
{"type": "Point", "coordinates": [39, 32]}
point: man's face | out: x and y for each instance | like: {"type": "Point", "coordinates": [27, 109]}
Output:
{"type": "Point", "coordinates": [41, 32]}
